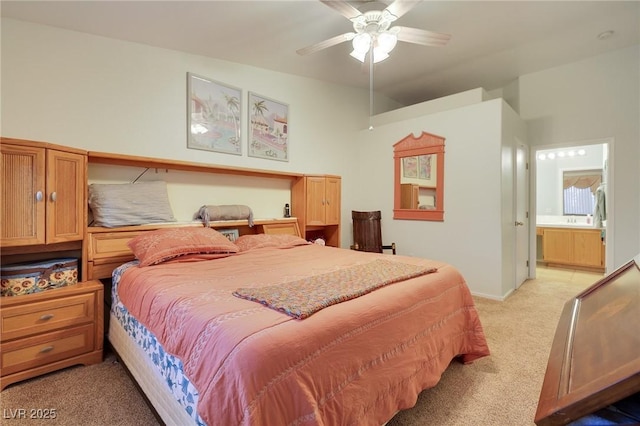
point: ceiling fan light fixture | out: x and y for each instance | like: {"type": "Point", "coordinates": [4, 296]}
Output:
{"type": "Point", "coordinates": [383, 43]}
{"type": "Point", "coordinates": [379, 55]}
{"type": "Point", "coordinates": [362, 43]}
{"type": "Point", "coordinates": [386, 41]}
{"type": "Point", "coordinates": [358, 55]}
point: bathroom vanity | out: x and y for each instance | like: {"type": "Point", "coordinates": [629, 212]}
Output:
{"type": "Point", "coordinates": [574, 246]}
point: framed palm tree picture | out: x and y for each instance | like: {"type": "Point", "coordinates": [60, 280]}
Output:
{"type": "Point", "coordinates": [268, 128]}
{"type": "Point", "coordinates": [213, 115]}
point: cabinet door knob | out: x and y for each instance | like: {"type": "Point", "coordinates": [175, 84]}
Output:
{"type": "Point", "coordinates": [46, 349]}
{"type": "Point", "coordinates": [39, 196]}
{"type": "Point", "coordinates": [46, 317]}
{"type": "Point", "coordinates": [519, 223]}
{"type": "Point", "coordinates": [54, 196]}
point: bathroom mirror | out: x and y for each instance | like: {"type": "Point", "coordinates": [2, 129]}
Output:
{"type": "Point", "coordinates": [419, 177]}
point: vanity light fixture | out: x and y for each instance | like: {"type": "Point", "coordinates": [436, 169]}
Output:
{"type": "Point", "coordinates": [561, 154]}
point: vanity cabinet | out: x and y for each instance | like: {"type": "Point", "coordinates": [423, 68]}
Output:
{"type": "Point", "coordinates": [573, 247]}
{"type": "Point", "coordinates": [43, 193]}
{"type": "Point", "coordinates": [315, 201]}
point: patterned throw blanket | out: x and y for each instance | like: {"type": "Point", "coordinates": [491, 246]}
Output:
{"type": "Point", "coordinates": [304, 297]}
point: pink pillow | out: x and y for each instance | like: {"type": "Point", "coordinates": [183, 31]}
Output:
{"type": "Point", "coordinates": [197, 257]}
{"type": "Point", "coordinates": [161, 245]}
{"type": "Point", "coordinates": [257, 241]}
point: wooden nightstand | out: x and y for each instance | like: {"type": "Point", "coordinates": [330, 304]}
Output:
{"type": "Point", "coordinates": [47, 331]}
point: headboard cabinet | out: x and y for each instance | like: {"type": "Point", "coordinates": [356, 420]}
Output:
{"type": "Point", "coordinates": [106, 248]}
{"type": "Point", "coordinates": [43, 197]}
{"type": "Point", "coordinates": [55, 222]}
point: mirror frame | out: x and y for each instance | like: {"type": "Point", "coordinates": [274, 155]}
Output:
{"type": "Point", "coordinates": [410, 146]}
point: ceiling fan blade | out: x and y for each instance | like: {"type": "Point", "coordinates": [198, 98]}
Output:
{"type": "Point", "coordinates": [424, 37]}
{"type": "Point", "coordinates": [326, 43]}
{"type": "Point", "coordinates": [343, 8]}
{"type": "Point", "coordinates": [400, 7]}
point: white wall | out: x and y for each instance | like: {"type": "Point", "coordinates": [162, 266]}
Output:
{"type": "Point", "coordinates": [470, 236]}
{"type": "Point", "coordinates": [108, 95]}
{"type": "Point", "coordinates": [597, 98]}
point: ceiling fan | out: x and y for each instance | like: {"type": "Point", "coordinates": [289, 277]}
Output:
{"type": "Point", "coordinates": [373, 33]}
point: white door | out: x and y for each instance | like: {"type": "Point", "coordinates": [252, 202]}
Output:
{"type": "Point", "coordinates": [522, 214]}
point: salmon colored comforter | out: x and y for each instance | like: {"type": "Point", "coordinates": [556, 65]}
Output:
{"type": "Point", "coordinates": [356, 362]}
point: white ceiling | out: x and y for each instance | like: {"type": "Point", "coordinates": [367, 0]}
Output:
{"type": "Point", "coordinates": [492, 42]}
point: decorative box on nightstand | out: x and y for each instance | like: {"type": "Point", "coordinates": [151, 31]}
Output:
{"type": "Point", "coordinates": [50, 330]}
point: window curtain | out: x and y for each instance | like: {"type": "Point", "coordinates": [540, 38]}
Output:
{"type": "Point", "coordinates": [582, 179]}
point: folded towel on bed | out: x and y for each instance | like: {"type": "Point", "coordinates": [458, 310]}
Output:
{"type": "Point", "coordinates": [225, 212]}
{"type": "Point", "coordinates": [304, 297]}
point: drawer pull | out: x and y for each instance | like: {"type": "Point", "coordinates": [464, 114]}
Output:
{"type": "Point", "coordinates": [46, 317]}
{"type": "Point", "coordinates": [46, 349]}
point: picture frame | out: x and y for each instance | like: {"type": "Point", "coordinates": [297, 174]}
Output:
{"type": "Point", "coordinates": [214, 112]}
{"type": "Point", "coordinates": [410, 167]}
{"type": "Point", "coordinates": [268, 128]}
{"type": "Point", "coordinates": [231, 234]}
{"type": "Point", "coordinates": [424, 167]}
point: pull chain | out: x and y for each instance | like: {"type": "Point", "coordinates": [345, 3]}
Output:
{"type": "Point", "coordinates": [371, 87]}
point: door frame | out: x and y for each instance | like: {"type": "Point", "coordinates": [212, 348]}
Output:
{"type": "Point", "coordinates": [533, 155]}
{"type": "Point", "coordinates": [522, 239]}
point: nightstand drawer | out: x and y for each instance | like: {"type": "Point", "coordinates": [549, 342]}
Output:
{"type": "Point", "coordinates": [38, 317]}
{"type": "Point", "coordinates": [35, 351]}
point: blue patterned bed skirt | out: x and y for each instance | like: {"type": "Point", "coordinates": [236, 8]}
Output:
{"type": "Point", "coordinates": [169, 366]}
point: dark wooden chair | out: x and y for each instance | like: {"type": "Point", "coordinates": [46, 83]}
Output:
{"type": "Point", "coordinates": [367, 232]}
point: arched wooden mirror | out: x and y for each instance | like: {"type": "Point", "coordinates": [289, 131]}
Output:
{"type": "Point", "coordinates": [419, 177]}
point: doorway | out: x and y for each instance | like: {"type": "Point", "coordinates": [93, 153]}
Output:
{"type": "Point", "coordinates": [553, 169]}
{"type": "Point", "coordinates": [521, 200]}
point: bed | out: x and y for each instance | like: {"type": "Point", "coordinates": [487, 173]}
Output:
{"type": "Point", "coordinates": [208, 347]}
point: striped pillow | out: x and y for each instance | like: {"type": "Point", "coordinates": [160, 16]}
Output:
{"type": "Point", "coordinates": [130, 204]}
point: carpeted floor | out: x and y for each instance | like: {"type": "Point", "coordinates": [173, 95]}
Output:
{"type": "Point", "coordinates": [501, 389]}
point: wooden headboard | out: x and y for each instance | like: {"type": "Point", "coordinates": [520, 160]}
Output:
{"type": "Point", "coordinates": [106, 248]}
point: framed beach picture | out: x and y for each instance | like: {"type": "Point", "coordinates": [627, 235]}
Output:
{"type": "Point", "coordinates": [410, 167]}
{"type": "Point", "coordinates": [424, 167]}
{"type": "Point", "coordinates": [213, 115]}
{"type": "Point", "coordinates": [268, 128]}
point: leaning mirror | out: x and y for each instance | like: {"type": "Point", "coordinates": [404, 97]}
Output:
{"type": "Point", "coordinates": [419, 177]}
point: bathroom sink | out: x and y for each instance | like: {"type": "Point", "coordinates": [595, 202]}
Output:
{"type": "Point", "coordinates": [566, 225]}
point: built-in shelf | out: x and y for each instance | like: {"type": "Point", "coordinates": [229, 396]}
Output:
{"type": "Point", "coordinates": [188, 166]}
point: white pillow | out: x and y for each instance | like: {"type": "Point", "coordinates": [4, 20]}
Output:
{"type": "Point", "coordinates": [129, 204]}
